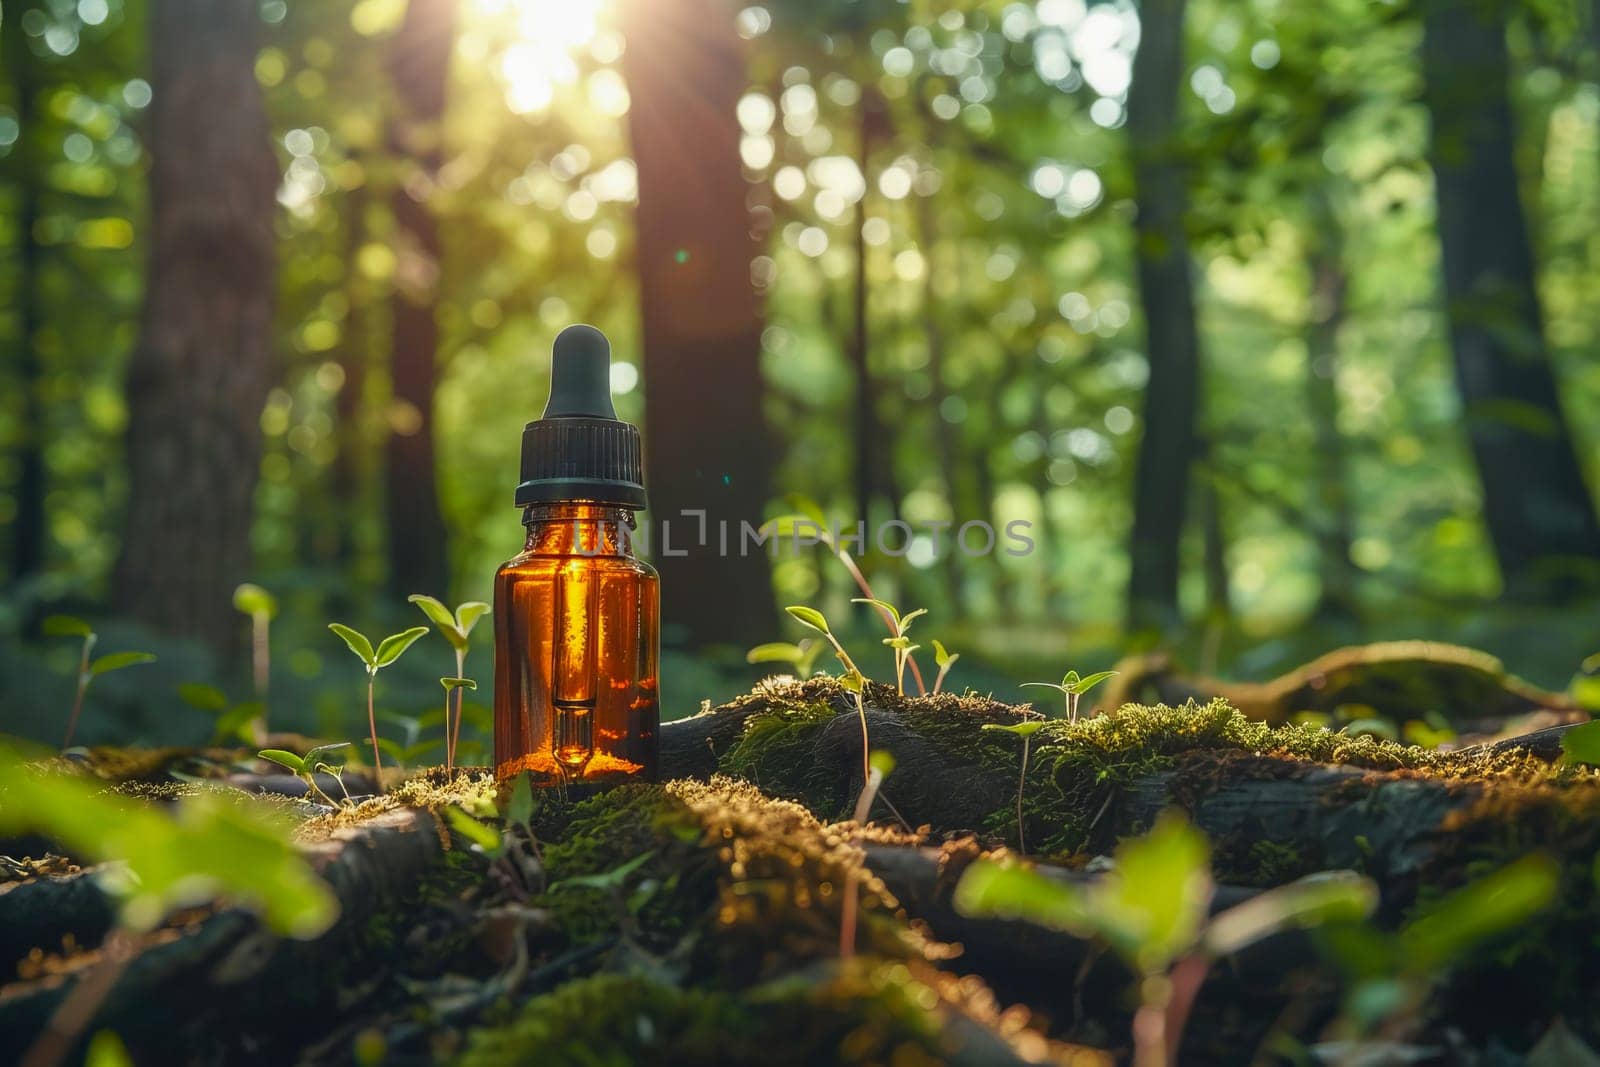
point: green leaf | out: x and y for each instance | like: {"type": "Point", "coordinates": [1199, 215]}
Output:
{"type": "Point", "coordinates": [203, 697]}
{"type": "Point", "coordinates": [774, 652]}
{"type": "Point", "coordinates": [902, 643]}
{"type": "Point", "coordinates": [1069, 680]}
{"type": "Point", "coordinates": [1150, 906]}
{"type": "Point", "coordinates": [484, 837]}
{"type": "Point", "coordinates": [1026, 728]}
{"type": "Point", "coordinates": [809, 617]}
{"type": "Point", "coordinates": [1493, 904]}
{"type": "Point", "coordinates": [1047, 685]}
{"type": "Point", "coordinates": [615, 878]}
{"type": "Point", "coordinates": [107, 1050]}
{"type": "Point", "coordinates": [434, 609]}
{"type": "Point", "coordinates": [905, 620]}
{"type": "Point", "coordinates": [356, 640]}
{"type": "Point", "coordinates": [468, 614]}
{"type": "Point", "coordinates": [881, 761]}
{"type": "Point", "coordinates": [118, 660]}
{"type": "Point", "coordinates": [234, 724]}
{"type": "Point", "coordinates": [881, 605]}
{"type": "Point", "coordinates": [520, 809]}
{"type": "Point", "coordinates": [1581, 744]}
{"type": "Point", "coordinates": [941, 658]}
{"type": "Point", "coordinates": [283, 757]}
{"type": "Point", "coordinates": [395, 645]}
{"type": "Point", "coordinates": [319, 756]}
{"type": "Point", "coordinates": [853, 681]}
{"type": "Point", "coordinates": [990, 889]}
{"type": "Point", "coordinates": [255, 601]}
{"type": "Point", "coordinates": [452, 684]}
{"type": "Point", "coordinates": [66, 626]}
{"type": "Point", "coordinates": [1083, 685]}
{"type": "Point", "coordinates": [1332, 896]}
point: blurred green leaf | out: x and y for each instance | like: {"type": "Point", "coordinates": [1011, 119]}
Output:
{"type": "Point", "coordinates": [66, 626]}
{"type": "Point", "coordinates": [941, 658]}
{"type": "Point", "coordinates": [1581, 744]}
{"type": "Point", "coordinates": [1026, 728]}
{"type": "Point", "coordinates": [809, 617]}
{"type": "Point", "coordinates": [1492, 905]}
{"type": "Point", "coordinates": [115, 661]}
{"type": "Point", "coordinates": [483, 836]}
{"type": "Point", "coordinates": [255, 601]}
{"type": "Point", "coordinates": [774, 652]}
{"type": "Point", "coordinates": [203, 697]}
{"type": "Point", "coordinates": [1332, 896]}
{"type": "Point", "coordinates": [881, 605]}
{"type": "Point", "coordinates": [519, 811]}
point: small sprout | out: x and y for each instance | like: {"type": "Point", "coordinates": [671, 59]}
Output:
{"type": "Point", "coordinates": [453, 687]}
{"type": "Point", "coordinates": [456, 628]}
{"type": "Point", "coordinates": [1073, 687]}
{"type": "Point", "coordinates": [262, 607]}
{"type": "Point", "coordinates": [945, 660]}
{"type": "Point", "coordinates": [519, 810]}
{"type": "Point", "coordinates": [1025, 730]}
{"type": "Point", "coordinates": [899, 625]}
{"type": "Point", "coordinates": [389, 649]}
{"type": "Point", "coordinates": [853, 680]}
{"type": "Point", "coordinates": [88, 670]}
{"type": "Point", "coordinates": [309, 766]}
{"type": "Point", "coordinates": [880, 766]}
{"type": "Point", "coordinates": [803, 656]}
{"type": "Point", "coordinates": [233, 721]}
{"type": "Point", "coordinates": [810, 617]}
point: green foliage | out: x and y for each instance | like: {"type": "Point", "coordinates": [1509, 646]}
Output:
{"type": "Point", "coordinates": [256, 602]}
{"type": "Point", "coordinates": [944, 660]}
{"type": "Point", "coordinates": [232, 721]}
{"type": "Point", "coordinates": [809, 617]}
{"type": "Point", "coordinates": [899, 641]}
{"type": "Point", "coordinates": [207, 846]}
{"type": "Point", "coordinates": [1072, 687]}
{"type": "Point", "coordinates": [116, 661]}
{"type": "Point", "coordinates": [802, 656]}
{"type": "Point", "coordinates": [314, 762]}
{"type": "Point", "coordinates": [482, 837]}
{"type": "Point", "coordinates": [88, 669]}
{"type": "Point", "coordinates": [455, 628]}
{"type": "Point", "coordinates": [1581, 744]}
{"type": "Point", "coordinates": [67, 626]}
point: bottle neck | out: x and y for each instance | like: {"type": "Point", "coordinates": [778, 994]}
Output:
{"type": "Point", "coordinates": [579, 529]}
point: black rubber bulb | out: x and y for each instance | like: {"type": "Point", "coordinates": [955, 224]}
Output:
{"type": "Point", "coordinates": [580, 375]}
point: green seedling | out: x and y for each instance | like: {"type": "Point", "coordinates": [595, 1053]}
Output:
{"type": "Point", "coordinates": [802, 656]}
{"type": "Point", "coordinates": [309, 766]}
{"type": "Point", "coordinates": [454, 687]}
{"type": "Point", "coordinates": [1024, 730]}
{"type": "Point", "coordinates": [900, 642]}
{"type": "Point", "coordinates": [232, 721]}
{"type": "Point", "coordinates": [813, 524]}
{"type": "Point", "coordinates": [1072, 688]}
{"type": "Point", "coordinates": [1151, 909]}
{"type": "Point", "coordinates": [456, 628]}
{"type": "Point", "coordinates": [88, 670]}
{"type": "Point", "coordinates": [411, 748]}
{"type": "Point", "coordinates": [852, 679]}
{"type": "Point", "coordinates": [262, 607]}
{"type": "Point", "coordinates": [388, 650]}
{"type": "Point", "coordinates": [945, 660]}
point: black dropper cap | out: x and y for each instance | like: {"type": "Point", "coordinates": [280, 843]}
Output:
{"type": "Point", "coordinates": [579, 449]}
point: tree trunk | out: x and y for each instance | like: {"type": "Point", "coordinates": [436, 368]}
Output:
{"type": "Point", "coordinates": [709, 449]}
{"type": "Point", "coordinates": [419, 68]}
{"type": "Point", "coordinates": [1329, 284]}
{"type": "Point", "coordinates": [943, 433]}
{"type": "Point", "coordinates": [873, 447]}
{"type": "Point", "coordinates": [200, 372]}
{"type": "Point", "coordinates": [28, 530]}
{"type": "Point", "coordinates": [346, 474]}
{"type": "Point", "coordinates": [1161, 480]}
{"type": "Point", "coordinates": [1539, 512]}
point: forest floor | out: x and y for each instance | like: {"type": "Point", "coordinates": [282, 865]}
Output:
{"type": "Point", "coordinates": [737, 912]}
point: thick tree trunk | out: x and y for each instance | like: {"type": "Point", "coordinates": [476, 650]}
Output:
{"type": "Point", "coordinates": [1539, 512]}
{"type": "Point", "coordinates": [709, 449]}
{"type": "Point", "coordinates": [1329, 284]}
{"type": "Point", "coordinates": [419, 68]}
{"type": "Point", "coordinates": [201, 369]}
{"type": "Point", "coordinates": [28, 528]}
{"type": "Point", "coordinates": [1161, 479]}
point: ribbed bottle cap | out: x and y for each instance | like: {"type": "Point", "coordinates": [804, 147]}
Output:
{"type": "Point", "coordinates": [579, 449]}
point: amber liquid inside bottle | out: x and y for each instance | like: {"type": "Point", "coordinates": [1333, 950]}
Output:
{"type": "Point", "coordinates": [576, 618]}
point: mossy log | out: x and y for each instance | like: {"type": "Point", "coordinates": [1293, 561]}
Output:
{"type": "Point", "coordinates": [1399, 679]}
{"type": "Point", "coordinates": [215, 977]}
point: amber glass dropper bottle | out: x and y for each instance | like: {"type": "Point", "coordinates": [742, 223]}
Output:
{"type": "Point", "coordinates": [576, 613]}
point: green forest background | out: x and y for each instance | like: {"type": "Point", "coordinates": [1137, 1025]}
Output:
{"type": "Point", "coordinates": [1276, 321]}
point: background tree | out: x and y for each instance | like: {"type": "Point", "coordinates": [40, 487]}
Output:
{"type": "Point", "coordinates": [202, 366]}
{"type": "Point", "coordinates": [419, 68]}
{"type": "Point", "coordinates": [1536, 505]}
{"type": "Point", "coordinates": [1161, 482]}
{"type": "Point", "coordinates": [706, 438]}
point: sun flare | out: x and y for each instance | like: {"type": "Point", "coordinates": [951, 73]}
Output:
{"type": "Point", "coordinates": [548, 35]}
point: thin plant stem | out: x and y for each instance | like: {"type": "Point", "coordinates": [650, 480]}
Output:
{"type": "Point", "coordinates": [261, 667]}
{"type": "Point", "coordinates": [938, 683]}
{"type": "Point", "coordinates": [888, 620]}
{"type": "Point", "coordinates": [372, 724]}
{"type": "Point", "coordinates": [454, 740]}
{"type": "Point", "coordinates": [1022, 781]}
{"type": "Point", "coordinates": [866, 757]}
{"type": "Point", "coordinates": [83, 687]}
{"type": "Point", "coordinates": [847, 910]}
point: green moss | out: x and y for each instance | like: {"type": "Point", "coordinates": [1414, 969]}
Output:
{"type": "Point", "coordinates": [867, 1010]}
{"type": "Point", "coordinates": [1269, 863]}
{"type": "Point", "coordinates": [775, 747]}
